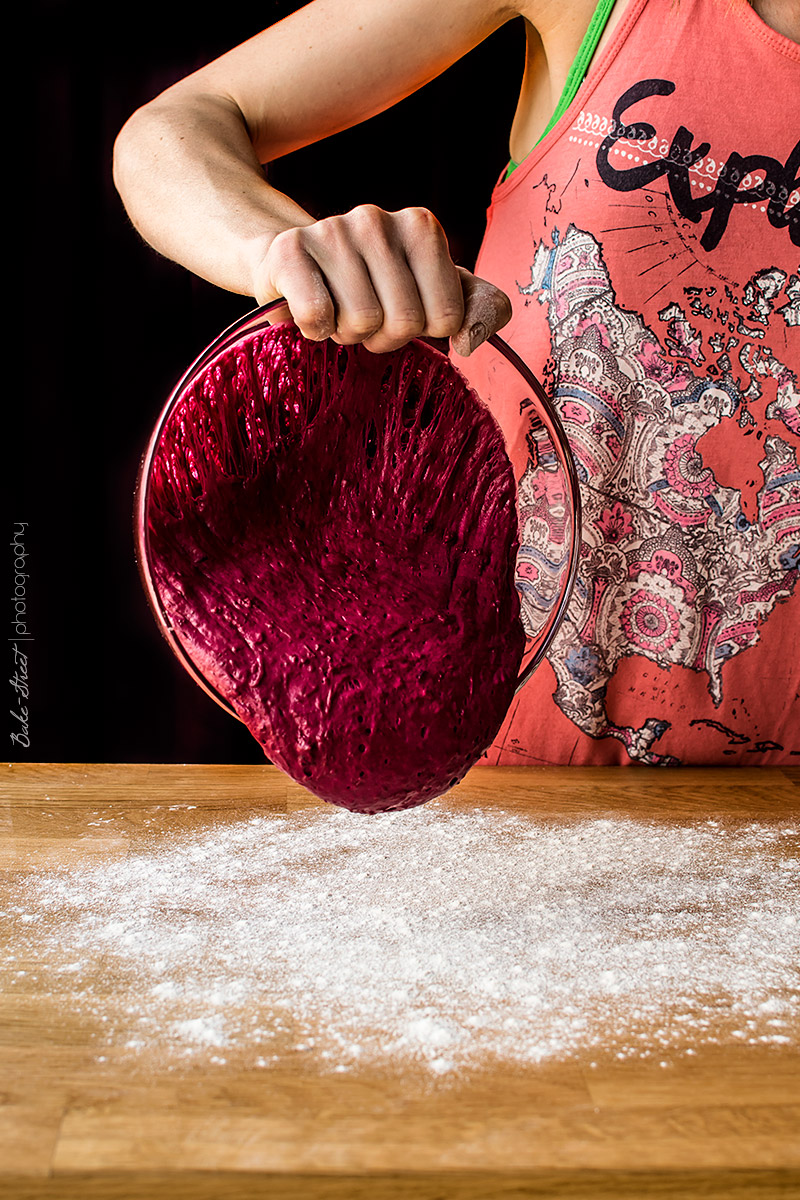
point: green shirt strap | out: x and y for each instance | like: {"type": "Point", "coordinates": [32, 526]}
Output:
{"type": "Point", "coordinates": [580, 65]}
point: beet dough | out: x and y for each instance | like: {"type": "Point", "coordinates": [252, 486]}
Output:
{"type": "Point", "coordinates": [333, 535]}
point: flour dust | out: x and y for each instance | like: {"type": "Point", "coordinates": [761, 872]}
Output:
{"type": "Point", "coordinates": [447, 940]}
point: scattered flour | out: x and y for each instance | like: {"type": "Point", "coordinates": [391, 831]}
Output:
{"type": "Point", "coordinates": [452, 940]}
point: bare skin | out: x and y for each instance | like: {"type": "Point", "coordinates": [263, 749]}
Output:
{"type": "Point", "coordinates": [188, 164]}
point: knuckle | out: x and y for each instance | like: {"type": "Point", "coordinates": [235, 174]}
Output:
{"type": "Point", "coordinates": [330, 232]}
{"type": "Point", "coordinates": [369, 229]}
{"type": "Point", "coordinates": [408, 321]}
{"type": "Point", "coordinates": [446, 320]}
{"type": "Point", "coordinates": [367, 214]}
{"type": "Point", "coordinates": [286, 247]}
{"type": "Point", "coordinates": [358, 324]}
{"type": "Point", "coordinates": [419, 217]}
{"type": "Point", "coordinates": [420, 225]}
{"type": "Point", "coordinates": [314, 318]}
{"type": "Point", "coordinates": [401, 327]}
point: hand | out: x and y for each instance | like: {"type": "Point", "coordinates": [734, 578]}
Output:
{"type": "Point", "coordinates": [378, 278]}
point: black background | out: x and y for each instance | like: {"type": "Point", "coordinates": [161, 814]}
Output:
{"type": "Point", "coordinates": [109, 326]}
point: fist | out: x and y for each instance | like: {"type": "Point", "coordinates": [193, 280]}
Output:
{"type": "Point", "coordinates": [378, 278]}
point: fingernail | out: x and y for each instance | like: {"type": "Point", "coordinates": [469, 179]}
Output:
{"type": "Point", "coordinates": [477, 334]}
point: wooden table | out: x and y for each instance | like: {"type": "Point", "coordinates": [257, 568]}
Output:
{"type": "Point", "coordinates": [724, 1123]}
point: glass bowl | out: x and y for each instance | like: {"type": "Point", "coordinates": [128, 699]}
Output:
{"type": "Point", "coordinates": [541, 617]}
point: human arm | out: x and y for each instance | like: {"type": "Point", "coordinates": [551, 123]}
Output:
{"type": "Point", "coordinates": [188, 166]}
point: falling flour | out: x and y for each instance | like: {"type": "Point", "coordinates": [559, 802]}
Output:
{"type": "Point", "coordinates": [449, 940]}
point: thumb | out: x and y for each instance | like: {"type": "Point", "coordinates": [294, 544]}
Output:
{"type": "Point", "coordinates": [486, 309]}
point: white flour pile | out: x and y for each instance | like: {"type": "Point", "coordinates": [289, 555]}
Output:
{"type": "Point", "coordinates": [451, 939]}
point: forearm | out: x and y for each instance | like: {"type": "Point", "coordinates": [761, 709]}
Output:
{"type": "Point", "coordinates": [193, 187]}
{"type": "Point", "coordinates": [188, 168]}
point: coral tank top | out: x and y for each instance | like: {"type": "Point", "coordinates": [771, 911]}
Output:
{"type": "Point", "coordinates": [649, 245]}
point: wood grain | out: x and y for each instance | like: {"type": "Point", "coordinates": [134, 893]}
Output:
{"type": "Point", "coordinates": [724, 1123]}
{"type": "Point", "coordinates": [479, 1185]}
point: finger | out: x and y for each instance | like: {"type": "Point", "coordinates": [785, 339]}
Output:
{"type": "Point", "coordinates": [357, 306]}
{"type": "Point", "coordinates": [363, 256]}
{"type": "Point", "coordinates": [400, 301]}
{"type": "Point", "coordinates": [436, 276]}
{"type": "Point", "coordinates": [376, 297]}
{"type": "Point", "coordinates": [290, 271]}
{"type": "Point", "coordinates": [486, 309]}
{"type": "Point", "coordinates": [337, 248]}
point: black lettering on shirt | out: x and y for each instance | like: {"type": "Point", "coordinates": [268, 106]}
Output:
{"type": "Point", "coordinates": [774, 190]}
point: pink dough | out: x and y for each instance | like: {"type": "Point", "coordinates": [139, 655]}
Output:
{"type": "Point", "coordinates": [333, 535]}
